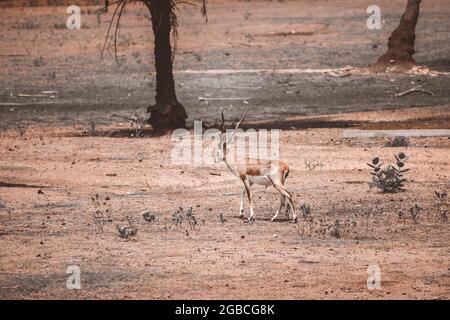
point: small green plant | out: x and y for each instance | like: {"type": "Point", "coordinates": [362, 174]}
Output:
{"type": "Point", "coordinates": [388, 178]}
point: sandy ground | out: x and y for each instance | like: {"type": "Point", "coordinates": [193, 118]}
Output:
{"type": "Point", "coordinates": [48, 177]}
{"type": "Point", "coordinates": [38, 53]}
{"type": "Point", "coordinates": [52, 163]}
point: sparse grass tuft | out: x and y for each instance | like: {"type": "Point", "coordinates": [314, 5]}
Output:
{"type": "Point", "coordinates": [102, 212]}
{"type": "Point", "coordinates": [148, 216]}
{"type": "Point", "coordinates": [415, 213]}
{"type": "Point", "coordinates": [179, 216]}
{"type": "Point", "coordinates": [442, 205]}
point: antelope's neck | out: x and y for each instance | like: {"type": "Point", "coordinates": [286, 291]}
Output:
{"type": "Point", "coordinates": [231, 166]}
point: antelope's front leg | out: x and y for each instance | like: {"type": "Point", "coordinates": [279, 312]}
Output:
{"type": "Point", "coordinates": [249, 195]}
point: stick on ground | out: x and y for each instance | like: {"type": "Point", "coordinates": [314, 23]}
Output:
{"type": "Point", "coordinates": [414, 89]}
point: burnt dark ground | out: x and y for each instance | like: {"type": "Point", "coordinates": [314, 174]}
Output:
{"type": "Point", "coordinates": [91, 89]}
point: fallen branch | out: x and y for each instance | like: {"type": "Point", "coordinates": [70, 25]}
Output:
{"type": "Point", "coordinates": [221, 99]}
{"type": "Point", "coordinates": [23, 95]}
{"type": "Point", "coordinates": [414, 89]}
{"type": "Point", "coordinates": [338, 74]}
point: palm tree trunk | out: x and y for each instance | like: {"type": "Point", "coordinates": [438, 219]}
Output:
{"type": "Point", "coordinates": [167, 113]}
{"type": "Point", "coordinates": [401, 42]}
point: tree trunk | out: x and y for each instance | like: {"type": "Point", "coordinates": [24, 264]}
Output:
{"type": "Point", "coordinates": [401, 42]}
{"type": "Point", "coordinates": [167, 113]}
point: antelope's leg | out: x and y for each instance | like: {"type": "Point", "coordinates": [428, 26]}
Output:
{"type": "Point", "coordinates": [241, 209]}
{"type": "Point", "coordinates": [280, 188]}
{"type": "Point", "coordinates": [249, 195]}
{"type": "Point", "coordinates": [283, 179]}
{"type": "Point", "coordinates": [282, 198]}
{"type": "Point", "coordinates": [294, 215]}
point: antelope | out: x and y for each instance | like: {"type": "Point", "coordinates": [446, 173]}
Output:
{"type": "Point", "coordinates": [257, 171]}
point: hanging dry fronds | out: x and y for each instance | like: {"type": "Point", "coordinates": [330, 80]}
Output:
{"type": "Point", "coordinates": [119, 10]}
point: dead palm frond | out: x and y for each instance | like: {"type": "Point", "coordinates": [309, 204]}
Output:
{"type": "Point", "coordinates": [120, 8]}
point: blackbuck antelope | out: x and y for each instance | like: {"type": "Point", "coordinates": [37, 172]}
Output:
{"type": "Point", "coordinates": [256, 171]}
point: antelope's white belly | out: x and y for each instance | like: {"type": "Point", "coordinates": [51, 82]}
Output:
{"type": "Point", "coordinates": [261, 180]}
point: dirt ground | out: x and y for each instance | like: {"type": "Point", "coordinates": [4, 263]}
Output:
{"type": "Point", "coordinates": [52, 161]}
{"type": "Point", "coordinates": [48, 177]}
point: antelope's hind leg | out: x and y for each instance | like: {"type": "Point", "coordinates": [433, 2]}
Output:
{"type": "Point", "coordinates": [241, 209]}
{"type": "Point", "coordinates": [282, 190]}
{"type": "Point", "coordinates": [282, 200]}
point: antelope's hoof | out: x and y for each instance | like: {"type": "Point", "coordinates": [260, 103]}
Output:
{"type": "Point", "coordinates": [295, 220]}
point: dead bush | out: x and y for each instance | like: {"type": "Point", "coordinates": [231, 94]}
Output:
{"type": "Point", "coordinates": [179, 216]}
{"type": "Point", "coordinates": [397, 142]}
{"type": "Point", "coordinates": [148, 216]}
{"type": "Point", "coordinates": [415, 213]}
{"type": "Point", "coordinates": [442, 205]}
{"type": "Point", "coordinates": [102, 211]}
